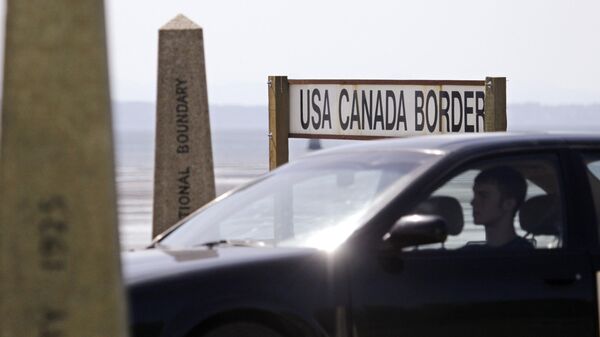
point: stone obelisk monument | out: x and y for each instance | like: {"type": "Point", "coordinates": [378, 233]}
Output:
{"type": "Point", "coordinates": [59, 250]}
{"type": "Point", "coordinates": [184, 177]}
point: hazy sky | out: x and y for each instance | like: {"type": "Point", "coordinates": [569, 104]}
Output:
{"type": "Point", "coordinates": [548, 50]}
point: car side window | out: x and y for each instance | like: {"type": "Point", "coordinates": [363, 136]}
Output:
{"type": "Point", "coordinates": [513, 204]}
{"type": "Point", "coordinates": [593, 172]}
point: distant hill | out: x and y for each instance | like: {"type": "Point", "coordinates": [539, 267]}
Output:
{"type": "Point", "coordinates": [140, 116]}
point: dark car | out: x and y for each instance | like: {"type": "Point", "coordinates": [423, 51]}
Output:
{"type": "Point", "coordinates": [410, 237]}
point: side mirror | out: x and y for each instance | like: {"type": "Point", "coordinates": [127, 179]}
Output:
{"type": "Point", "coordinates": [414, 230]}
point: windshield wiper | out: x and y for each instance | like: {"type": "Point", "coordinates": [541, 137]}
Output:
{"type": "Point", "coordinates": [233, 243]}
{"type": "Point", "coordinates": [155, 244]}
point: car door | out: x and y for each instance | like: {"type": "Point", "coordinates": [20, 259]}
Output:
{"type": "Point", "coordinates": [586, 167]}
{"type": "Point", "coordinates": [464, 288]}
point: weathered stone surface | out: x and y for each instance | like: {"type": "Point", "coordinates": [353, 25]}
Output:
{"type": "Point", "coordinates": [59, 251]}
{"type": "Point", "coordinates": [184, 174]}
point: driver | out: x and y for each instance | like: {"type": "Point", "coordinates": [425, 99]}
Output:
{"type": "Point", "coordinates": [498, 192]}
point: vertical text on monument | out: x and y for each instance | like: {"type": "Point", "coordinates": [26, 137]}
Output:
{"type": "Point", "coordinates": [53, 228]}
{"type": "Point", "coordinates": [183, 125]}
{"type": "Point", "coordinates": [53, 251]}
{"type": "Point", "coordinates": [184, 177]}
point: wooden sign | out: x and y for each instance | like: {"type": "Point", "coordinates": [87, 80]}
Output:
{"type": "Point", "coordinates": [371, 109]}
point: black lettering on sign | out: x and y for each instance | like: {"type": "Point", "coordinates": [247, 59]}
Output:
{"type": "Point", "coordinates": [52, 323]}
{"type": "Point", "coordinates": [326, 111]}
{"type": "Point", "coordinates": [183, 193]}
{"type": "Point", "coordinates": [315, 114]}
{"type": "Point", "coordinates": [316, 122]}
{"type": "Point", "coordinates": [401, 112]}
{"type": "Point", "coordinates": [344, 123]}
{"type": "Point", "coordinates": [456, 125]}
{"type": "Point", "coordinates": [419, 102]}
{"type": "Point", "coordinates": [182, 122]}
{"type": "Point", "coordinates": [389, 122]}
{"type": "Point", "coordinates": [304, 123]}
{"type": "Point", "coordinates": [379, 111]}
{"type": "Point", "coordinates": [53, 228]}
{"type": "Point", "coordinates": [355, 116]}
{"type": "Point", "coordinates": [444, 97]}
{"type": "Point", "coordinates": [431, 121]}
{"type": "Point", "coordinates": [468, 111]}
{"type": "Point", "coordinates": [479, 96]}
{"type": "Point", "coordinates": [367, 109]}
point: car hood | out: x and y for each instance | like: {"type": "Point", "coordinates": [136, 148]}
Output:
{"type": "Point", "coordinates": [156, 263]}
{"type": "Point", "coordinates": [173, 290]}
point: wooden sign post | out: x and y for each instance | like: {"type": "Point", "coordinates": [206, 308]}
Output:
{"type": "Point", "coordinates": [371, 109]}
{"type": "Point", "coordinates": [495, 104]}
{"type": "Point", "coordinates": [279, 125]}
{"type": "Point", "coordinates": [59, 250]}
{"type": "Point", "coordinates": [184, 176]}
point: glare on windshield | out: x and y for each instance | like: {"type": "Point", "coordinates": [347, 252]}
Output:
{"type": "Point", "coordinates": [317, 202]}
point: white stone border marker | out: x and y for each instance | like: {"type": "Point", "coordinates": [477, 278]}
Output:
{"type": "Point", "coordinates": [184, 176]}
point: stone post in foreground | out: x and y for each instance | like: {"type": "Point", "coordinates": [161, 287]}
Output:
{"type": "Point", "coordinates": [59, 249]}
{"type": "Point", "coordinates": [184, 177]}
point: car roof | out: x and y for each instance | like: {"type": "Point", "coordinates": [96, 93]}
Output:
{"type": "Point", "coordinates": [442, 144]}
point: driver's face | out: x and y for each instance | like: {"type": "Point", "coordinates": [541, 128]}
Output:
{"type": "Point", "coordinates": [487, 204]}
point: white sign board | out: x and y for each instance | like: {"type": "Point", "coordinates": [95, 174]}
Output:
{"type": "Point", "coordinates": [362, 109]}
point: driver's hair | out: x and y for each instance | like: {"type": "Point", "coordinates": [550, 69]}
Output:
{"type": "Point", "coordinates": [509, 181]}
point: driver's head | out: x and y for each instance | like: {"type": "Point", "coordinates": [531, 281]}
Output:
{"type": "Point", "coordinates": [498, 192]}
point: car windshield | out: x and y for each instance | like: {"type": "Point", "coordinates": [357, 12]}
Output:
{"type": "Point", "coordinates": [317, 202]}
